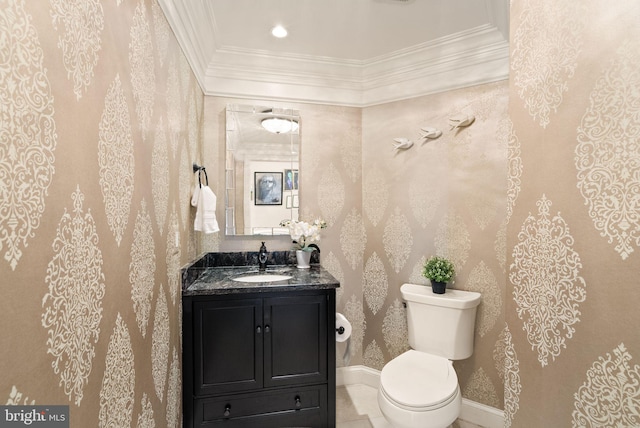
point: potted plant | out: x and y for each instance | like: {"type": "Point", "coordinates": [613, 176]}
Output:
{"type": "Point", "coordinates": [439, 270]}
{"type": "Point", "coordinates": [304, 236]}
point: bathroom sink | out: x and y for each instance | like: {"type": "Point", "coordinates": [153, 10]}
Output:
{"type": "Point", "coordinates": [261, 277]}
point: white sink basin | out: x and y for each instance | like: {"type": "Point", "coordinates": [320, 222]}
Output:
{"type": "Point", "coordinates": [261, 277]}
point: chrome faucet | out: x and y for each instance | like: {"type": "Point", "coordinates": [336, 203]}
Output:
{"type": "Point", "coordinates": [262, 257]}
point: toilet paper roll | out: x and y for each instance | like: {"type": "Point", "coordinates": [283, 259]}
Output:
{"type": "Point", "coordinates": [343, 328]}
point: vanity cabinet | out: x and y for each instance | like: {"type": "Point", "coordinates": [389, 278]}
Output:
{"type": "Point", "coordinates": [259, 359]}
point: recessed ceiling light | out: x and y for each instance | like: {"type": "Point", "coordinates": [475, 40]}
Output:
{"type": "Point", "coordinates": [279, 31]}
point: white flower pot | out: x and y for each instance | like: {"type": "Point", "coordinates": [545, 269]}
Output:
{"type": "Point", "coordinates": [303, 258]}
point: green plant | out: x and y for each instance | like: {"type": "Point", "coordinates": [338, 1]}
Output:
{"type": "Point", "coordinates": [438, 269]}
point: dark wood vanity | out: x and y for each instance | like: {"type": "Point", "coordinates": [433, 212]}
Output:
{"type": "Point", "coordinates": [258, 354]}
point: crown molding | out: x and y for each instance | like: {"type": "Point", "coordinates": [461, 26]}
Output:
{"type": "Point", "coordinates": [188, 22]}
{"type": "Point", "coordinates": [476, 56]}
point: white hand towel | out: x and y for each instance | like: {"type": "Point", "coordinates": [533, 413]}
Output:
{"type": "Point", "coordinates": [205, 200]}
{"type": "Point", "coordinates": [196, 195]}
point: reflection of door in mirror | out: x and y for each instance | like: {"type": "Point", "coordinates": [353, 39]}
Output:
{"type": "Point", "coordinates": [262, 169]}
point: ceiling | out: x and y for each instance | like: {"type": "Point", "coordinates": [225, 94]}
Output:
{"type": "Point", "coordinates": [345, 52]}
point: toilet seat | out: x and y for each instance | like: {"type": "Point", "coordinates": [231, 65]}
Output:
{"type": "Point", "coordinates": [419, 382]}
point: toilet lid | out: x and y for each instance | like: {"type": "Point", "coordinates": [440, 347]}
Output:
{"type": "Point", "coordinates": [417, 380]}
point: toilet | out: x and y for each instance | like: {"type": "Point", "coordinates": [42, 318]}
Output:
{"type": "Point", "coordinates": [419, 389]}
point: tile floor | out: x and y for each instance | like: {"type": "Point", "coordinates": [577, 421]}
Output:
{"type": "Point", "coordinates": [357, 407]}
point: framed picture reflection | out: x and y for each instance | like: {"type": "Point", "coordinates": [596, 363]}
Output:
{"type": "Point", "coordinates": [268, 187]}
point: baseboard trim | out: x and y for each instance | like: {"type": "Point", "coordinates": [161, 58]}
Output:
{"type": "Point", "coordinates": [357, 374]}
{"type": "Point", "coordinates": [472, 412]}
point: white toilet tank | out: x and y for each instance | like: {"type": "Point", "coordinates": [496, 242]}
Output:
{"type": "Point", "coordinates": [441, 324]}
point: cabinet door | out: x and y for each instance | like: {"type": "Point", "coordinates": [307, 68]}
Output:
{"type": "Point", "coordinates": [228, 345]}
{"type": "Point", "coordinates": [295, 337]}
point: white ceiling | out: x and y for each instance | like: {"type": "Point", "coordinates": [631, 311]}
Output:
{"type": "Point", "coordinates": [346, 52]}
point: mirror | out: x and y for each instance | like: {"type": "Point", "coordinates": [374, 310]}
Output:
{"type": "Point", "coordinates": [262, 169]}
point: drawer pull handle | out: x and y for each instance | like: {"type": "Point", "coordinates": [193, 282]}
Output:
{"type": "Point", "coordinates": [266, 329]}
{"type": "Point", "coordinates": [298, 402]}
{"type": "Point", "coordinates": [227, 411]}
{"type": "Point", "coordinates": [258, 330]}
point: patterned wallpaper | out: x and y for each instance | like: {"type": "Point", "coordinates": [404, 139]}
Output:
{"type": "Point", "coordinates": [445, 196]}
{"type": "Point", "coordinates": [571, 339]}
{"type": "Point", "coordinates": [100, 120]}
{"type": "Point", "coordinates": [388, 211]}
{"type": "Point", "coordinates": [537, 206]}
{"type": "Point", "coordinates": [330, 183]}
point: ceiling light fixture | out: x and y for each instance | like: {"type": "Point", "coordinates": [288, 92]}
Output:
{"type": "Point", "coordinates": [277, 125]}
{"type": "Point", "coordinates": [279, 31]}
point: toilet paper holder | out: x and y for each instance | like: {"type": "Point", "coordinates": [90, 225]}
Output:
{"type": "Point", "coordinates": [343, 328]}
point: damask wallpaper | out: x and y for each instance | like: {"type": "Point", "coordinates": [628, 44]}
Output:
{"type": "Point", "coordinates": [444, 196]}
{"type": "Point", "coordinates": [387, 211]}
{"type": "Point", "coordinates": [536, 202]}
{"type": "Point", "coordinates": [100, 120]}
{"type": "Point", "coordinates": [572, 238]}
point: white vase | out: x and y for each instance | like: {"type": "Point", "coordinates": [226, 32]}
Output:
{"type": "Point", "coordinates": [303, 258]}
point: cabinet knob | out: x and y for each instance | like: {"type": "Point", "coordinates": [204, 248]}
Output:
{"type": "Point", "coordinates": [227, 410]}
{"type": "Point", "coordinates": [266, 329]}
{"type": "Point", "coordinates": [298, 402]}
{"type": "Point", "coordinates": [258, 330]}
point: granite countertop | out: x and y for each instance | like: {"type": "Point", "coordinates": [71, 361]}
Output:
{"type": "Point", "coordinates": [219, 280]}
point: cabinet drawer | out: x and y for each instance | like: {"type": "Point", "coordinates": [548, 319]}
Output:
{"type": "Point", "coordinates": [288, 407]}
